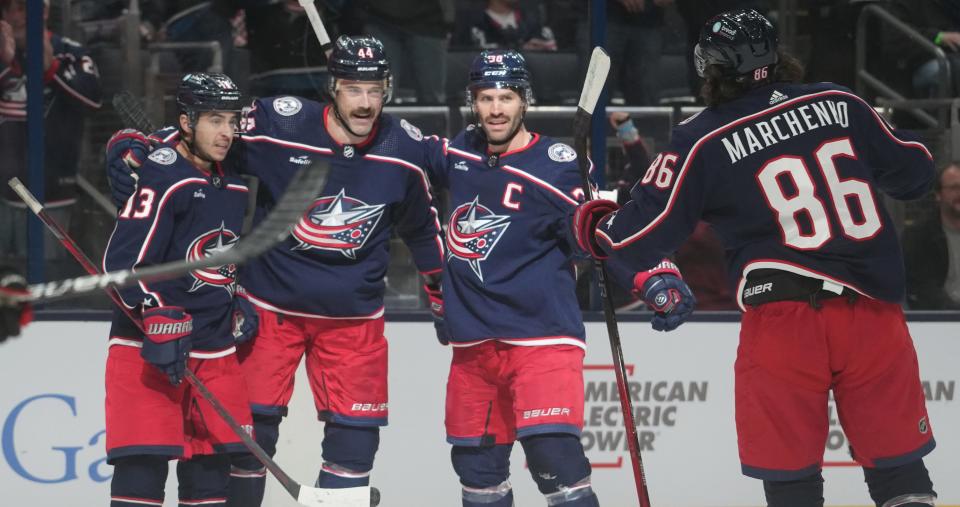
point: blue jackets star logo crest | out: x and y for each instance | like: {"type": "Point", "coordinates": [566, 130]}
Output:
{"type": "Point", "coordinates": [210, 243]}
{"type": "Point", "coordinates": [473, 233]}
{"type": "Point", "coordinates": [338, 223]}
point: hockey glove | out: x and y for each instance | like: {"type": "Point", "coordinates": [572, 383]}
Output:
{"type": "Point", "coordinates": [664, 291]}
{"type": "Point", "coordinates": [435, 296]}
{"type": "Point", "coordinates": [245, 320]}
{"type": "Point", "coordinates": [13, 315]}
{"type": "Point", "coordinates": [168, 341]}
{"type": "Point", "coordinates": [127, 149]}
{"type": "Point", "coordinates": [586, 218]}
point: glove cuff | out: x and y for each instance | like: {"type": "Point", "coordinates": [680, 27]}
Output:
{"type": "Point", "coordinates": [665, 267]}
{"type": "Point", "coordinates": [435, 296]}
{"type": "Point", "coordinates": [167, 323]}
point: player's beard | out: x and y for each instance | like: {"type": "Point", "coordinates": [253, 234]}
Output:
{"type": "Point", "coordinates": [513, 126]}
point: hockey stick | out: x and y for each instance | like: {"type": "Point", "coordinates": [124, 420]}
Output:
{"type": "Point", "coordinates": [318, 29]}
{"type": "Point", "coordinates": [300, 193]}
{"type": "Point", "coordinates": [305, 495]}
{"type": "Point", "coordinates": [592, 86]}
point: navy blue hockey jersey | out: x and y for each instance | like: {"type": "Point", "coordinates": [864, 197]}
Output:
{"type": "Point", "coordinates": [787, 177]}
{"type": "Point", "coordinates": [334, 263]}
{"type": "Point", "coordinates": [179, 213]}
{"type": "Point", "coordinates": [509, 274]}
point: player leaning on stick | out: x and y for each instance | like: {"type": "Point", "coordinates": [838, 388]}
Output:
{"type": "Point", "coordinates": [185, 206]}
{"type": "Point", "coordinates": [788, 175]}
{"type": "Point", "coordinates": [320, 293]}
{"type": "Point", "coordinates": [510, 302]}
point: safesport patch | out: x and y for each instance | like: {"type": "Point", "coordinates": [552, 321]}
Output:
{"type": "Point", "coordinates": [287, 106]}
{"type": "Point", "coordinates": [164, 156]}
{"type": "Point", "coordinates": [561, 152]}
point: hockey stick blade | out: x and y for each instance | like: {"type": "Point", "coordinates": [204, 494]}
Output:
{"type": "Point", "coordinates": [131, 112]}
{"type": "Point", "coordinates": [597, 72]}
{"type": "Point", "coordinates": [318, 29]}
{"type": "Point", "coordinates": [305, 186]}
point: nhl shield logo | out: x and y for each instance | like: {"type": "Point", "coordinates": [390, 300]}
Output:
{"type": "Point", "coordinates": [473, 233]}
{"type": "Point", "coordinates": [210, 243]}
{"type": "Point", "coordinates": [338, 223]}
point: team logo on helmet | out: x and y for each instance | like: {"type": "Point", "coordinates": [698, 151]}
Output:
{"type": "Point", "coordinates": [210, 243]}
{"type": "Point", "coordinates": [560, 152]}
{"type": "Point", "coordinates": [164, 156]}
{"type": "Point", "coordinates": [287, 106]}
{"type": "Point", "coordinates": [339, 223]}
{"type": "Point", "coordinates": [474, 232]}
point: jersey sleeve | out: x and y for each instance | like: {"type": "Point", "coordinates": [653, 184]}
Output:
{"type": "Point", "coordinates": [664, 208]}
{"type": "Point", "coordinates": [142, 234]}
{"type": "Point", "coordinates": [75, 75]}
{"type": "Point", "coordinates": [435, 154]}
{"type": "Point", "coordinates": [903, 167]}
{"type": "Point", "coordinates": [417, 223]}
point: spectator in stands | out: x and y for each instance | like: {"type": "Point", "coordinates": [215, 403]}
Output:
{"type": "Point", "coordinates": [71, 89]}
{"type": "Point", "coordinates": [635, 44]}
{"type": "Point", "coordinates": [939, 22]}
{"type": "Point", "coordinates": [701, 258]}
{"type": "Point", "coordinates": [285, 56]}
{"type": "Point", "coordinates": [414, 33]}
{"type": "Point", "coordinates": [193, 21]}
{"type": "Point", "coordinates": [932, 249]}
{"type": "Point", "coordinates": [504, 24]}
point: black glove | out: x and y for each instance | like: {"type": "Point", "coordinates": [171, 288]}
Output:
{"type": "Point", "coordinates": [168, 341]}
{"type": "Point", "coordinates": [13, 315]}
{"type": "Point", "coordinates": [127, 149]}
{"type": "Point", "coordinates": [435, 295]}
{"type": "Point", "coordinates": [245, 320]}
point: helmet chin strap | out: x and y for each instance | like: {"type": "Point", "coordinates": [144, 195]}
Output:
{"type": "Point", "coordinates": [343, 122]}
{"type": "Point", "coordinates": [510, 137]}
{"type": "Point", "coordinates": [191, 146]}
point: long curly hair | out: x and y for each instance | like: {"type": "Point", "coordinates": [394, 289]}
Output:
{"type": "Point", "coordinates": [718, 89]}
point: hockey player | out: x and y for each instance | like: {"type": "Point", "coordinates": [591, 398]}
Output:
{"type": "Point", "coordinates": [510, 303]}
{"type": "Point", "coordinates": [320, 293]}
{"type": "Point", "coordinates": [788, 174]}
{"type": "Point", "coordinates": [185, 206]}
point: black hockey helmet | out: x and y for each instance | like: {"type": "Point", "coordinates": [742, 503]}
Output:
{"type": "Point", "coordinates": [740, 42]}
{"type": "Point", "coordinates": [200, 91]}
{"type": "Point", "coordinates": [499, 68]}
{"type": "Point", "coordinates": [359, 59]}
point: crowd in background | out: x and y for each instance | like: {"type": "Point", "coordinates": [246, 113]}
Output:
{"type": "Point", "coordinates": [269, 48]}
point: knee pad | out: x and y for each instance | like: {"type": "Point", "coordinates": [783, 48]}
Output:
{"type": "Point", "coordinates": [348, 453]}
{"type": "Point", "coordinates": [805, 492]}
{"type": "Point", "coordinates": [204, 477]}
{"type": "Point", "coordinates": [560, 469]}
{"type": "Point", "coordinates": [484, 475]}
{"type": "Point", "coordinates": [138, 480]}
{"type": "Point", "coordinates": [904, 485]}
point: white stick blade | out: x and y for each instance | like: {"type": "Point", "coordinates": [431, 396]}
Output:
{"type": "Point", "coordinates": [596, 76]}
{"type": "Point", "coordinates": [314, 17]}
{"type": "Point", "coordinates": [25, 195]}
{"type": "Point", "coordinates": [344, 497]}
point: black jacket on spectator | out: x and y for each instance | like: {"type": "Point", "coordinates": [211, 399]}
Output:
{"type": "Point", "coordinates": [929, 17]}
{"type": "Point", "coordinates": [476, 29]}
{"type": "Point", "coordinates": [430, 18]}
{"type": "Point", "coordinates": [927, 260]}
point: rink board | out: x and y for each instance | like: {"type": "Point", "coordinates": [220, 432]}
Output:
{"type": "Point", "coordinates": [51, 411]}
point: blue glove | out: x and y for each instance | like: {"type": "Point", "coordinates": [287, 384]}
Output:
{"type": "Point", "coordinates": [127, 149]}
{"type": "Point", "coordinates": [664, 291]}
{"type": "Point", "coordinates": [245, 320]}
{"type": "Point", "coordinates": [435, 295]}
{"type": "Point", "coordinates": [167, 342]}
